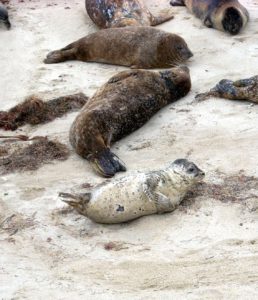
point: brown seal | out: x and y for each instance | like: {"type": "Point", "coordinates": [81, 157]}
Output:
{"type": "Point", "coordinates": [225, 15]}
{"type": "Point", "coordinates": [125, 103]}
{"type": "Point", "coordinates": [243, 89]}
{"type": "Point", "coordinates": [121, 13]}
{"type": "Point", "coordinates": [137, 47]}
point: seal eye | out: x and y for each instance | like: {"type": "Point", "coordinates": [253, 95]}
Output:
{"type": "Point", "coordinates": [191, 170]}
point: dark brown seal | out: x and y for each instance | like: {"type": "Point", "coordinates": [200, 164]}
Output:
{"type": "Point", "coordinates": [243, 89]}
{"type": "Point", "coordinates": [121, 13]}
{"type": "Point", "coordinates": [125, 103]}
{"type": "Point", "coordinates": [136, 47]}
{"type": "Point", "coordinates": [225, 15]}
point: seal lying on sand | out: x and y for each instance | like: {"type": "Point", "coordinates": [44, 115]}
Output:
{"type": "Point", "coordinates": [225, 15]}
{"type": "Point", "coordinates": [138, 194]}
{"type": "Point", "coordinates": [243, 89]}
{"type": "Point", "coordinates": [4, 16]}
{"type": "Point", "coordinates": [136, 47]}
{"type": "Point", "coordinates": [125, 103]}
{"type": "Point", "coordinates": [121, 13]}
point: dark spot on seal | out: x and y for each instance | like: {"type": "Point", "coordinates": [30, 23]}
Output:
{"type": "Point", "coordinates": [232, 21]}
{"type": "Point", "coordinates": [120, 208]}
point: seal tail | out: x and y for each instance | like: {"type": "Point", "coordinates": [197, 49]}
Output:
{"type": "Point", "coordinates": [66, 53]}
{"type": "Point", "coordinates": [107, 164]}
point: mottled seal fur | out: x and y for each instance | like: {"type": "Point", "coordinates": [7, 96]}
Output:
{"type": "Point", "coordinates": [4, 17]}
{"type": "Point", "coordinates": [136, 47]}
{"type": "Point", "coordinates": [225, 15]}
{"type": "Point", "coordinates": [138, 194]}
{"type": "Point", "coordinates": [125, 103]}
{"type": "Point", "coordinates": [121, 13]}
{"type": "Point", "coordinates": [243, 89]}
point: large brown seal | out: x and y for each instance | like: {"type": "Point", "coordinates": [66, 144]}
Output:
{"type": "Point", "coordinates": [138, 194]}
{"type": "Point", "coordinates": [136, 47]}
{"type": "Point", "coordinates": [121, 13]}
{"type": "Point", "coordinates": [4, 17]}
{"type": "Point", "coordinates": [225, 15]}
{"type": "Point", "coordinates": [125, 103]}
{"type": "Point", "coordinates": [243, 89]}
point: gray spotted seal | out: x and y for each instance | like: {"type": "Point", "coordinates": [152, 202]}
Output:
{"type": "Point", "coordinates": [225, 15]}
{"type": "Point", "coordinates": [136, 47]}
{"type": "Point", "coordinates": [122, 105]}
{"type": "Point", "coordinates": [121, 13]}
{"type": "Point", "coordinates": [4, 17]}
{"type": "Point", "coordinates": [243, 89]}
{"type": "Point", "coordinates": [138, 194]}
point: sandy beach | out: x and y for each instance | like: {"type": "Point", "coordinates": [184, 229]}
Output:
{"type": "Point", "coordinates": [206, 249]}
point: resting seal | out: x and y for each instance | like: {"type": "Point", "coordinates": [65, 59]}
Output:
{"type": "Point", "coordinates": [138, 194]}
{"type": "Point", "coordinates": [136, 47]}
{"type": "Point", "coordinates": [224, 15]}
{"type": "Point", "coordinates": [125, 103]}
{"type": "Point", "coordinates": [243, 89]}
{"type": "Point", "coordinates": [121, 13]}
{"type": "Point", "coordinates": [4, 16]}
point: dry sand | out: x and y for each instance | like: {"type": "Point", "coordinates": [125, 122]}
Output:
{"type": "Point", "coordinates": [207, 249]}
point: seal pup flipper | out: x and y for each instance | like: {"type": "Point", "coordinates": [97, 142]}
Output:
{"type": "Point", "coordinates": [79, 201]}
{"type": "Point", "coordinates": [163, 203]}
{"type": "Point", "coordinates": [162, 18]}
{"type": "Point", "coordinates": [177, 3]}
{"type": "Point", "coordinates": [106, 163]}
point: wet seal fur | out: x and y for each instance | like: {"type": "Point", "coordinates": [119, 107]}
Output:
{"type": "Point", "coordinates": [121, 13]}
{"type": "Point", "coordinates": [138, 194]}
{"type": "Point", "coordinates": [4, 17]}
{"type": "Point", "coordinates": [225, 15]}
{"type": "Point", "coordinates": [243, 89]}
{"type": "Point", "coordinates": [122, 105]}
{"type": "Point", "coordinates": [136, 47]}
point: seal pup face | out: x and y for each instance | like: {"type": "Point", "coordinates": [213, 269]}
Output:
{"type": "Point", "coordinates": [179, 49]}
{"type": "Point", "coordinates": [4, 17]}
{"type": "Point", "coordinates": [187, 170]}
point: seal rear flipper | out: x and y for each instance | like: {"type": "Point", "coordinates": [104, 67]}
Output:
{"type": "Point", "coordinates": [79, 201]}
{"type": "Point", "coordinates": [177, 3]}
{"type": "Point", "coordinates": [60, 56]}
{"type": "Point", "coordinates": [107, 163]}
{"type": "Point", "coordinates": [156, 20]}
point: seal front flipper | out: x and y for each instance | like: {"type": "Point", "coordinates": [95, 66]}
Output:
{"type": "Point", "coordinates": [177, 3]}
{"type": "Point", "coordinates": [163, 203]}
{"type": "Point", "coordinates": [106, 163]}
{"type": "Point", "coordinates": [4, 16]}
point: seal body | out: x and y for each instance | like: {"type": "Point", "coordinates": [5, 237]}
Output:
{"type": "Point", "coordinates": [138, 194]}
{"type": "Point", "coordinates": [120, 13]}
{"type": "Point", "coordinates": [243, 89]}
{"type": "Point", "coordinates": [136, 47]}
{"type": "Point", "coordinates": [225, 15]}
{"type": "Point", "coordinates": [4, 17]}
{"type": "Point", "coordinates": [125, 103]}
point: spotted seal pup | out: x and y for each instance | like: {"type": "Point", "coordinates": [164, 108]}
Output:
{"type": "Point", "coordinates": [4, 17]}
{"type": "Point", "coordinates": [225, 15]}
{"type": "Point", "coordinates": [125, 103]}
{"type": "Point", "coordinates": [243, 89]}
{"type": "Point", "coordinates": [136, 47]}
{"type": "Point", "coordinates": [121, 13]}
{"type": "Point", "coordinates": [138, 194]}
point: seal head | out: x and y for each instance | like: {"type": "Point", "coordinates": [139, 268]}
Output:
{"type": "Point", "coordinates": [4, 17]}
